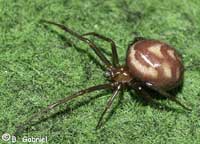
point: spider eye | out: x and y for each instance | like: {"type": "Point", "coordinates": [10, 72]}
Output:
{"type": "Point", "coordinates": [108, 74]}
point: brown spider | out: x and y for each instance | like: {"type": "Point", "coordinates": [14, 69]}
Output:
{"type": "Point", "coordinates": [150, 64]}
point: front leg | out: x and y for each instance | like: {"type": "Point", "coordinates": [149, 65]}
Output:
{"type": "Point", "coordinates": [138, 39]}
{"type": "Point", "coordinates": [108, 105]}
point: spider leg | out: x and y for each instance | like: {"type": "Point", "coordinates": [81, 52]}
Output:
{"type": "Point", "coordinates": [136, 39]}
{"type": "Point", "coordinates": [62, 101]}
{"type": "Point", "coordinates": [90, 43]}
{"type": "Point", "coordinates": [169, 96]}
{"type": "Point", "coordinates": [115, 58]}
{"type": "Point", "coordinates": [108, 105]}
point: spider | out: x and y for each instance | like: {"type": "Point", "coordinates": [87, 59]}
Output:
{"type": "Point", "coordinates": [150, 64]}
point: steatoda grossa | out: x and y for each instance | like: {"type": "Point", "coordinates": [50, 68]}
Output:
{"type": "Point", "coordinates": [150, 64]}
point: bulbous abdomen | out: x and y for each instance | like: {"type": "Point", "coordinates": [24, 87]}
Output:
{"type": "Point", "coordinates": [156, 63]}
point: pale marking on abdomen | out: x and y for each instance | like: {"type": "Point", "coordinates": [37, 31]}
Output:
{"type": "Point", "coordinates": [149, 61]}
{"type": "Point", "coordinates": [156, 49]}
{"type": "Point", "coordinates": [167, 70]}
{"type": "Point", "coordinates": [171, 53]}
{"type": "Point", "coordinates": [148, 71]}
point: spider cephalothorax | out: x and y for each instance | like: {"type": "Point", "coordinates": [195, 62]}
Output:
{"type": "Point", "coordinates": [120, 74]}
{"type": "Point", "coordinates": [150, 64]}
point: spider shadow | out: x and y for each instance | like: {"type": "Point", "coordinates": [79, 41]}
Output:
{"type": "Point", "coordinates": [156, 97]}
{"type": "Point", "coordinates": [60, 113]}
{"type": "Point", "coordinates": [68, 110]}
{"type": "Point", "coordinates": [144, 102]}
{"type": "Point", "coordinates": [69, 43]}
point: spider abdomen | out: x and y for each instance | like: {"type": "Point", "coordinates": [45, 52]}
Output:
{"type": "Point", "coordinates": [155, 62]}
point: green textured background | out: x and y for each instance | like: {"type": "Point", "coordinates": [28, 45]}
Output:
{"type": "Point", "coordinates": [39, 66]}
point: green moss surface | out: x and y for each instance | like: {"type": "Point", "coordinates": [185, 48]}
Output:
{"type": "Point", "coordinates": [40, 64]}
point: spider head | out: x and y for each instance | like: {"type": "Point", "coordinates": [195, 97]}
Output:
{"type": "Point", "coordinates": [109, 73]}
{"type": "Point", "coordinates": [120, 74]}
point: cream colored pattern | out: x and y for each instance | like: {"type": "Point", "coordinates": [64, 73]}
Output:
{"type": "Point", "coordinates": [148, 71]}
{"type": "Point", "coordinates": [155, 49]}
{"type": "Point", "coordinates": [167, 70]}
{"type": "Point", "coordinates": [171, 53]}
